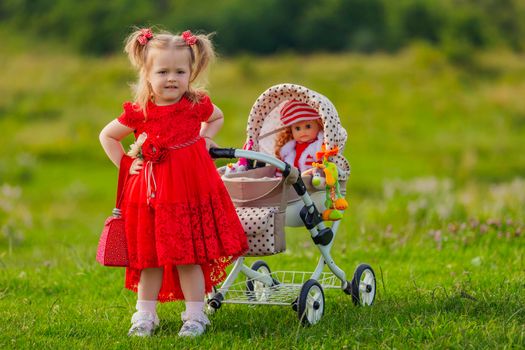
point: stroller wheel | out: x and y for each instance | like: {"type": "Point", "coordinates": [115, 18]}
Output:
{"type": "Point", "coordinates": [294, 305]}
{"type": "Point", "coordinates": [310, 304]}
{"type": "Point", "coordinates": [363, 285]}
{"type": "Point", "coordinates": [257, 290]}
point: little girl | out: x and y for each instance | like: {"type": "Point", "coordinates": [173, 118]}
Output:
{"type": "Point", "coordinates": [302, 137]}
{"type": "Point", "coordinates": [181, 227]}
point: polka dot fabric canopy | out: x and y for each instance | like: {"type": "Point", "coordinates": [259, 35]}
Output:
{"type": "Point", "coordinates": [334, 133]}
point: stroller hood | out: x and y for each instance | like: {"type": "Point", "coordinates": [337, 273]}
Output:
{"type": "Point", "coordinates": [264, 121]}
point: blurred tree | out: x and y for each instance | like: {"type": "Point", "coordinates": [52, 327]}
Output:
{"type": "Point", "coordinates": [422, 20]}
{"type": "Point", "coordinates": [508, 19]}
{"type": "Point", "coordinates": [260, 26]}
{"type": "Point", "coordinates": [267, 26]}
{"type": "Point", "coordinates": [341, 25]}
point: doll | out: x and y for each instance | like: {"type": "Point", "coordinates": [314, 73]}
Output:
{"type": "Point", "coordinates": [298, 143]}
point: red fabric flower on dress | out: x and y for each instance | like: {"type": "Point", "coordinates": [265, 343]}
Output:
{"type": "Point", "coordinates": [145, 35]}
{"type": "Point", "coordinates": [153, 151]}
{"type": "Point", "coordinates": [189, 38]}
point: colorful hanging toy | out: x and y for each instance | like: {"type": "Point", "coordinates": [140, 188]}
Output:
{"type": "Point", "coordinates": [335, 202]}
{"type": "Point", "coordinates": [242, 164]}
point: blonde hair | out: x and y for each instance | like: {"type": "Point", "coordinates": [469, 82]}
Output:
{"type": "Point", "coordinates": [202, 54]}
{"type": "Point", "coordinates": [286, 135]}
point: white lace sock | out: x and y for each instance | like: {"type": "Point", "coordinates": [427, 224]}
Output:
{"type": "Point", "coordinates": [194, 309]}
{"type": "Point", "coordinates": [147, 306]}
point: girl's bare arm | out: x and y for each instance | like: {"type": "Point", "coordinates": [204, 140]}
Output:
{"type": "Point", "coordinates": [214, 123]}
{"type": "Point", "coordinates": [110, 138]}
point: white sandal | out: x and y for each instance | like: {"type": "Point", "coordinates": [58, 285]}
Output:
{"type": "Point", "coordinates": [194, 325]}
{"type": "Point", "coordinates": [143, 324]}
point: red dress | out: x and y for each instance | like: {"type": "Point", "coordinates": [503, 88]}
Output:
{"type": "Point", "coordinates": [177, 210]}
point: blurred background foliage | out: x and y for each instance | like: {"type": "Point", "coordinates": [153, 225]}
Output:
{"type": "Point", "coordinates": [270, 26]}
{"type": "Point", "coordinates": [433, 85]}
{"type": "Point", "coordinates": [430, 92]}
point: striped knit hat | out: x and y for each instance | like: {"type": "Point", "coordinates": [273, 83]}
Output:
{"type": "Point", "coordinates": [294, 111]}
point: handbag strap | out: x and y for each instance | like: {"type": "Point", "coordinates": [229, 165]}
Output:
{"type": "Point", "coordinates": [123, 174]}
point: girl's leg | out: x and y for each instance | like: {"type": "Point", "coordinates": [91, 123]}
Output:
{"type": "Point", "coordinates": [148, 290]}
{"type": "Point", "coordinates": [150, 283]}
{"type": "Point", "coordinates": [191, 281]}
{"type": "Point", "coordinates": [145, 320]}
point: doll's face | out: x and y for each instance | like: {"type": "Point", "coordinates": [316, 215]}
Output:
{"type": "Point", "coordinates": [305, 131]}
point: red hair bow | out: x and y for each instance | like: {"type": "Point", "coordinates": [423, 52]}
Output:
{"type": "Point", "coordinates": [189, 38]}
{"type": "Point", "coordinates": [145, 36]}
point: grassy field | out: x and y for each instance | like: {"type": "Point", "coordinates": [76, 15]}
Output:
{"type": "Point", "coordinates": [437, 196]}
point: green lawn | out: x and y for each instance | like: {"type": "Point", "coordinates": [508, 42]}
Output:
{"type": "Point", "coordinates": [437, 196]}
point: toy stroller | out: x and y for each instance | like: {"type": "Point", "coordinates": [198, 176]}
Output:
{"type": "Point", "coordinates": [266, 203]}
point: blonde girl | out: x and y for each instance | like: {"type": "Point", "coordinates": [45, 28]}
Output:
{"type": "Point", "coordinates": [181, 227]}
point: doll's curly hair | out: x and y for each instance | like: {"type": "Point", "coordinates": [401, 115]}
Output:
{"type": "Point", "coordinates": [282, 138]}
{"type": "Point", "coordinates": [286, 135]}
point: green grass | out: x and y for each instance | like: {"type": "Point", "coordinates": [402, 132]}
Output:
{"type": "Point", "coordinates": [437, 197]}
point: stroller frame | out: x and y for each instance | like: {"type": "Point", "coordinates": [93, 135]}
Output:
{"type": "Point", "coordinates": [302, 290]}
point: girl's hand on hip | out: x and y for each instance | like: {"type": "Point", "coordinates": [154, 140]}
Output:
{"type": "Point", "coordinates": [136, 166]}
{"type": "Point", "coordinates": [210, 143]}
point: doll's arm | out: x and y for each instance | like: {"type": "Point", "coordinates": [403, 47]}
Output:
{"type": "Point", "coordinates": [110, 138]}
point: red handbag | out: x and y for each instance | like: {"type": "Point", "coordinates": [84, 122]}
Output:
{"type": "Point", "coordinates": [113, 247]}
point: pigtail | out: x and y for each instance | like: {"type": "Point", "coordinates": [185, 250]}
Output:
{"type": "Point", "coordinates": [136, 46]}
{"type": "Point", "coordinates": [204, 55]}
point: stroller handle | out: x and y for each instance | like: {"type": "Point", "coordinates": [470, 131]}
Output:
{"type": "Point", "coordinates": [240, 153]}
{"type": "Point", "coordinates": [222, 152]}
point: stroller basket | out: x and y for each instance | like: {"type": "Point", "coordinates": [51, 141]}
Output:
{"type": "Point", "coordinates": [260, 187]}
{"type": "Point", "coordinates": [284, 292]}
